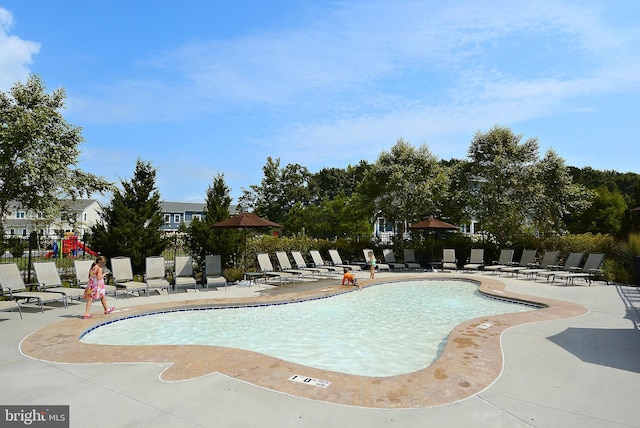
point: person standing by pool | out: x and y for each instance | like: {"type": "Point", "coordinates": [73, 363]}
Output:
{"type": "Point", "coordinates": [372, 265]}
{"type": "Point", "coordinates": [95, 287]}
{"type": "Point", "coordinates": [349, 279]}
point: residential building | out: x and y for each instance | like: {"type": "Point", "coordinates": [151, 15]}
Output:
{"type": "Point", "coordinates": [177, 213]}
{"type": "Point", "coordinates": [77, 216]}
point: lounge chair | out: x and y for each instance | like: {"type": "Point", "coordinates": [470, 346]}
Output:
{"type": "Point", "coordinates": [449, 260]}
{"type": "Point", "coordinates": [213, 271]}
{"type": "Point", "coordinates": [337, 261]}
{"type": "Point", "coordinates": [526, 259]}
{"type": "Point", "coordinates": [10, 305]}
{"type": "Point", "coordinates": [476, 260]}
{"type": "Point", "coordinates": [13, 286]}
{"type": "Point", "coordinates": [267, 269]}
{"type": "Point", "coordinates": [285, 265]}
{"type": "Point", "coordinates": [379, 266]}
{"type": "Point", "coordinates": [319, 262]}
{"type": "Point", "coordinates": [573, 262]}
{"type": "Point", "coordinates": [589, 271]}
{"type": "Point", "coordinates": [301, 264]}
{"type": "Point", "coordinates": [155, 274]}
{"type": "Point", "coordinates": [505, 260]}
{"type": "Point", "coordinates": [49, 281]}
{"type": "Point", "coordinates": [549, 259]}
{"type": "Point", "coordinates": [390, 259]}
{"type": "Point", "coordinates": [410, 260]}
{"type": "Point", "coordinates": [123, 277]}
{"type": "Point", "coordinates": [82, 268]}
{"type": "Point", "coordinates": [183, 273]}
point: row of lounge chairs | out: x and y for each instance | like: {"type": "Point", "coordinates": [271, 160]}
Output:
{"type": "Point", "coordinates": [319, 268]}
{"type": "Point", "coordinates": [547, 268]}
{"type": "Point", "coordinates": [49, 288]}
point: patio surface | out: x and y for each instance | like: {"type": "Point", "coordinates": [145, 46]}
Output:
{"type": "Point", "coordinates": [572, 364]}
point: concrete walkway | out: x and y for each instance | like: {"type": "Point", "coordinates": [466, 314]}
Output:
{"type": "Point", "coordinates": [577, 372]}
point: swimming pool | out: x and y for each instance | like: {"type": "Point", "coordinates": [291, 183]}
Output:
{"type": "Point", "coordinates": [385, 330]}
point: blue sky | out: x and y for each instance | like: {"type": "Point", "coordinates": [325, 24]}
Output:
{"type": "Point", "coordinates": [199, 88]}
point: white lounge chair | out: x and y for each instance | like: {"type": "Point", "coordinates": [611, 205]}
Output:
{"type": "Point", "coordinates": [123, 277]}
{"type": "Point", "coordinates": [285, 265]}
{"type": "Point", "coordinates": [589, 271]}
{"type": "Point", "coordinates": [573, 262]}
{"type": "Point", "coordinates": [318, 262]}
{"type": "Point", "coordinates": [49, 280]}
{"type": "Point", "coordinates": [527, 257]}
{"type": "Point", "coordinates": [449, 259]}
{"type": "Point", "coordinates": [267, 269]}
{"type": "Point", "coordinates": [379, 266]}
{"type": "Point", "coordinates": [183, 273]}
{"type": "Point", "coordinates": [504, 260]}
{"type": "Point", "coordinates": [10, 305]}
{"type": "Point", "coordinates": [476, 260]}
{"type": "Point", "coordinates": [337, 261]}
{"type": "Point", "coordinates": [549, 259]}
{"type": "Point", "coordinates": [155, 275]}
{"type": "Point", "coordinates": [213, 271]}
{"type": "Point", "coordinates": [13, 286]}
{"type": "Point", "coordinates": [302, 264]}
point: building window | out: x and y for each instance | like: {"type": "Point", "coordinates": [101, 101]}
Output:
{"type": "Point", "coordinates": [167, 218]}
{"type": "Point", "coordinates": [196, 217]}
{"type": "Point", "coordinates": [20, 214]}
{"type": "Point", "coordinates": [176, 218]}
{"type": "Point", "coordinates": [84, 217]}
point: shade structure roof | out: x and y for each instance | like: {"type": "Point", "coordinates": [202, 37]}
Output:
{"type": "Point", "coordinates": [246, 220]}
{"type": "Point", "coordinates": [433, 224]}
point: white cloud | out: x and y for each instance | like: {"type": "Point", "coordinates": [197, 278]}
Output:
{"type": "Point", "coordinates": [350, 81]}
{"type": "Point", "coordinates": [15, 54]}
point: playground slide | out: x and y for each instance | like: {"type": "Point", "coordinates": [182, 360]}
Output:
{"type": "Point", "coordinates": [87, 249]}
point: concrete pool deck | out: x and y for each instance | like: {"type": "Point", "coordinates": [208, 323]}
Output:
{"type": "Point", "coordinates": [581, 368]}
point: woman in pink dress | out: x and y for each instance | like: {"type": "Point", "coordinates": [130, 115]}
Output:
{"type": "Point", "coordinates": [95, 288]}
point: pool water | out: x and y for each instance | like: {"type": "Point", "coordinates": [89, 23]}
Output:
{"type": "Point", "coordinates": [384, 330]}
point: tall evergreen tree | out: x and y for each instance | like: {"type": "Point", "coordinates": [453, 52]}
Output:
{"type": "Point", "coordinates": [131, 223]}
{"type": "Point", "coordinates": [202, 239]}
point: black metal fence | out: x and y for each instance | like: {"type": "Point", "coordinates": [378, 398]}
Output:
{"type": "Point", "coordinates": [24, 251]}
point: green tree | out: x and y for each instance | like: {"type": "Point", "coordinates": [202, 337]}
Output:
{"type": "Point", "coordinates": [202, 239]}
{"type": "Point", "coordinates": [502, 182]}
{"type": "Point", "coordinates": [605, 215]}
{"type": "Point", "coordinates": [513, 192]}
{"type": "Point", "coordinates": [131, 223]}
{"type": "Point", "coordinates": [39, 151]}
{"type": "Point", "coordinates": [279, 190]}
{"type": "Point", "coordinates": [556, 196]}
{"type": "Point", "coordinates": [331, 182]}
{"type": "Point", "coordinates": [453, 208]}
{"type": "Point", "coordinates": [405, 183]}
{"type": "Point", "coordinates": [342, 216]}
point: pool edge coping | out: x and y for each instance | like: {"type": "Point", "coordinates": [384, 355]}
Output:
{"type": "Point", "coordinates": [471, 361]}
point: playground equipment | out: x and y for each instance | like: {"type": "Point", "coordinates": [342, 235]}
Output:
{"type": "Point", "coordinates": [71, 245]}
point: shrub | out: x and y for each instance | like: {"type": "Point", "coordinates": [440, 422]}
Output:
{"type": "Point", "coordinates": [233, 274]}
{"type": "Point", "coordinates": [17, 247]}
